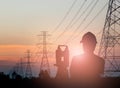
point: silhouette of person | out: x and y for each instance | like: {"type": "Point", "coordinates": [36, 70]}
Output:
{"type": "Point", "coordinates": [88, 67]}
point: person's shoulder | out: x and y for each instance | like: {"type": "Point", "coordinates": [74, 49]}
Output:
{"type": "Point", "coordinates": [99, 58]}
{"type": "Point", "coordinates": [78, 56]}
{"type": "Point", "coordinates": [76, 59]}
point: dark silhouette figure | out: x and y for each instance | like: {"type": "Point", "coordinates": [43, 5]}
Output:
{"type": "Point", "coordinates": [62, 62]}
{"type": "Point", "coordinates": [88, 67]}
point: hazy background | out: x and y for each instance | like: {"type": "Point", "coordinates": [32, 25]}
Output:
{"type": "Point", "coordinates": [22, 20]}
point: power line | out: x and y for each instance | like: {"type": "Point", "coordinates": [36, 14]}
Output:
{"type": "Point", "coordinates": [91, 21]}
{"type": "Point", "coordinates": [77, 13]}
{"type": "Point", "coordinates": [84, 20]}
{"type": "Point", "coordinates": [82, 13]}
{"type": "Point", "coordinates": [65, 30]}
{"type": "Point", "coordinates": [76, 20]}
{"type": "Point", "coordinates": [87, 14]}
{"type": "Point", "coordinates": [93, 18]}
{"type": "Point", "coordinates": [67, 13]}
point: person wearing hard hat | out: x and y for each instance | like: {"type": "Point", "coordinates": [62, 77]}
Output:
{"type": "Point", "coordinates": [88, 67]}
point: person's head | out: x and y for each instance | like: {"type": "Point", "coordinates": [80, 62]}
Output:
{"type": "Point", "coordinates": [89, 42]}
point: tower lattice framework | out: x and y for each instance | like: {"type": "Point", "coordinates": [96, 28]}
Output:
{"type": "Point", "coordinates": [110, 42]}
{"type": "Point", "coordinates": [44, 62]}
{"type": "Point", "coordinates": [28, 72]}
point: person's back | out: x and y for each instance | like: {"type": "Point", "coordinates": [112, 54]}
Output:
{"type": "Point", "coordinates": [88, 67]}
{"type": "Point", "coordinates": [85, 69]}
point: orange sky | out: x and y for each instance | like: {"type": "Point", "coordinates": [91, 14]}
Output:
{"type": "Point", "coordinates": [22, 20]}
{"type": "Point", "coordinates": [13, 52]}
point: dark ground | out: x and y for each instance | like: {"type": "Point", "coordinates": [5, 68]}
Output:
{"type": "Point", "coordinates": [53, 83]}
{"type": "Point", "coordinates": [19, 82]}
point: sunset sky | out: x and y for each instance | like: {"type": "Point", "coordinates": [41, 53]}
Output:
{"type": "Point", "coordinates": [22, 20]}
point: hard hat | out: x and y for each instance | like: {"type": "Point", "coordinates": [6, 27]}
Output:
{"type": "Point", "coordinates": [88, 37]}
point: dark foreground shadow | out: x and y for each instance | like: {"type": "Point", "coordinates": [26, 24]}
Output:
{"type": "Point", "coordinates": [54, 83]}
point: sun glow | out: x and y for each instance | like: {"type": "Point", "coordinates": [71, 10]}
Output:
{"type": "Point", "coordinates": [76, 51]}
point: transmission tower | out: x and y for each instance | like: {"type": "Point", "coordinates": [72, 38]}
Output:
{"type": "Point", "coordinates": [14, 71]}
{"type": "Point", "coordinates": [110, 42]}
{"type": "Point", "coordinates": [28, 73]}
{"type": "Point", "coordinates": [21, 68]}
{"type": "Point", "coordinates": [44, 63]}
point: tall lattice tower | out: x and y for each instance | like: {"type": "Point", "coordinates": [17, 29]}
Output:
{"type": "Point", "coordinates": [20, 70]}
{"type": "Point", "coordinates": [28, 72]}
{"type": "Point", "coordinates": [44, 63]}
{"type": "Point", "coordinates": [110, 42]}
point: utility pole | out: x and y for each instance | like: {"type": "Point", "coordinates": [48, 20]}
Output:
{"type": "Point", "coordinates": [28, 73]}
{"type": "Point", "coordinates": [44, 66]}
{"type": "Point", "coordinates": [110, 41]}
